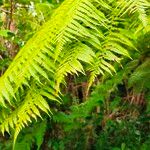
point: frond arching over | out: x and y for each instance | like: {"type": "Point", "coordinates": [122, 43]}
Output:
{"type": "Point", "coordinates": [89, 31]}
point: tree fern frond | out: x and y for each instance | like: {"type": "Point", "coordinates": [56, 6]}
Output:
{"type": "Point", "coordinates": [79, 32]}
{"type": "Point", "coordinates": [63, 22]}
{"type": "Point", "coordinates": [35, 61]}
{"type": "Point", "coordinates": [60, 30]}
{"type": "Point", "coordinates": [27, 110]}
{"type": "Point", "coordinates": [71, 58]}
{"type": "Point", "coordinates": [136, 6]}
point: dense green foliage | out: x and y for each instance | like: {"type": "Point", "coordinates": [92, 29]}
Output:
{"type": "Point", "coordinates": [76, 73]}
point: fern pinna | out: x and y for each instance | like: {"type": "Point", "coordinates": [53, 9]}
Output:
{"type": "Point", "coordinates": [90, 32]}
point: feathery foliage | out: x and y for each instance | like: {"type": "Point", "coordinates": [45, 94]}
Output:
{"type": "Point", "coordinates": [91, 32]}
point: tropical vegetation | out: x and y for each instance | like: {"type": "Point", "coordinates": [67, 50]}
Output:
{"type": "Point", "coordinates": [75, 74]}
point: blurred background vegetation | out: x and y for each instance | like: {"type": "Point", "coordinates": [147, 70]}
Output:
{"type": "Point", "coordinates": [116, 115]}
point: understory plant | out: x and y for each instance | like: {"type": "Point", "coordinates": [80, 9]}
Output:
{"type": "Point", "coordinates": [82, 37]}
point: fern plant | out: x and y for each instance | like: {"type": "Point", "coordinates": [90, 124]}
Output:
{"type": "Point", "coordinates": [140, 78]}
{"type": "Point", "coordinates": [81, 36]}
